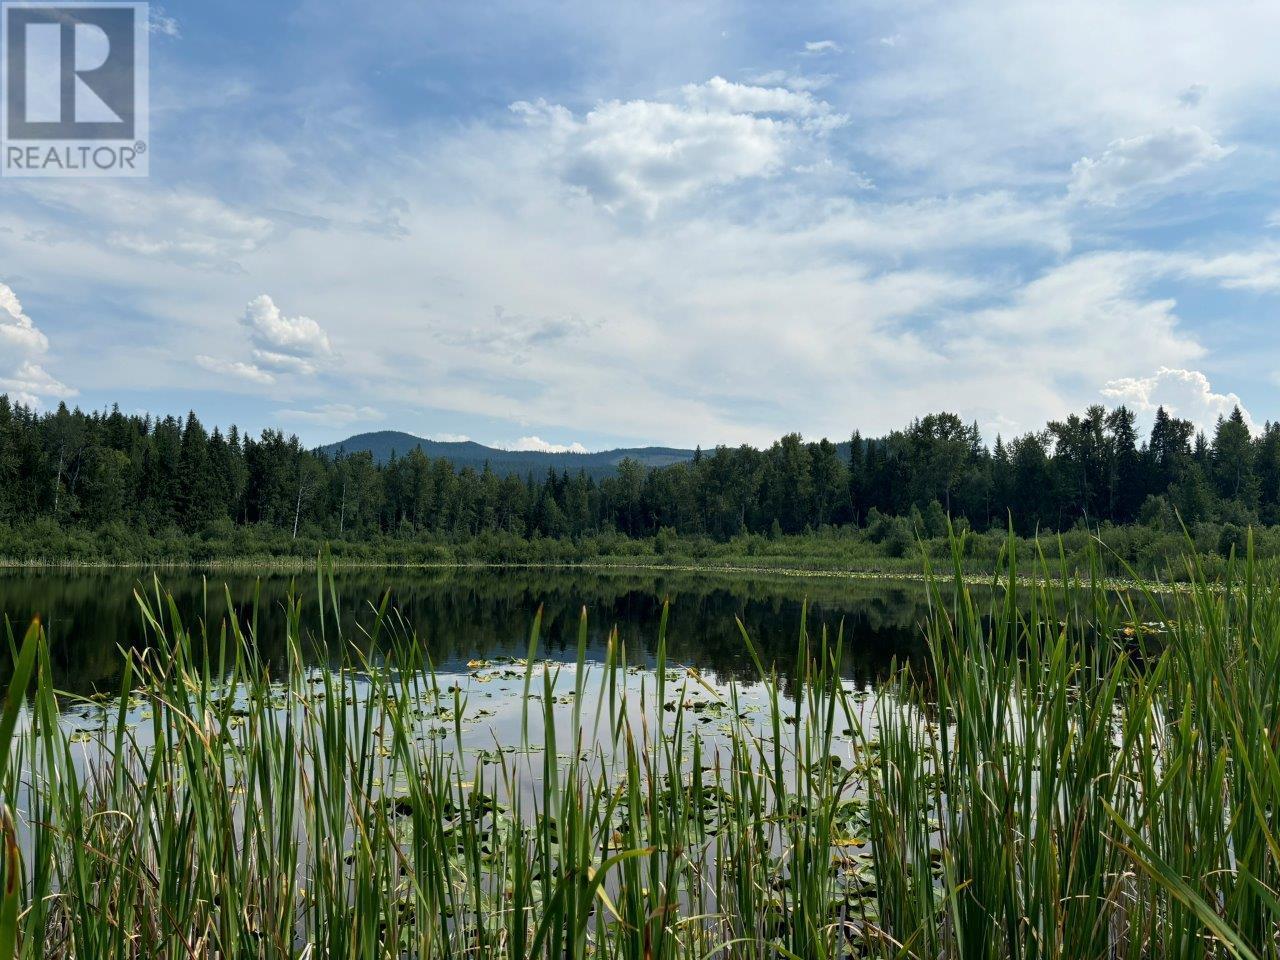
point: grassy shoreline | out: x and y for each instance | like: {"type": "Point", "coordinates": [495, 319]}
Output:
{"type": "Point", "coordinates": [1055, 777]}
{"type": "Point", "coordinates": [1150, 551]}
{"type": "Point", "coordinates": [605, 565]}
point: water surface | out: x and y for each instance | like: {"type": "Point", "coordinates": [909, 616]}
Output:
{"type": "Point", "coordinates": [469, 614]}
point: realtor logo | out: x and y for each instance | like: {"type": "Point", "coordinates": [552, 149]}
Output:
{"type": "Point", "coordinates": [75, 90]}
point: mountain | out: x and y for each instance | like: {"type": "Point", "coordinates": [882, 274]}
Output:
{"type": "Point", "coordinates": [601, 464]}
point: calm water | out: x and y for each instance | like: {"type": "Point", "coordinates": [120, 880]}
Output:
{"type": "Point", "coordinates": [475, 614]}
{"type": "Point", "coordinates": [473, 708]}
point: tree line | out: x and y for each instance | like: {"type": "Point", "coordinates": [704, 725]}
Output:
{"type": "Point", "coordinates": [98, 468]}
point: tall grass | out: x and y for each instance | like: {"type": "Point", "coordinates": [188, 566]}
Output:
{"type": "Point", "coordinates": [1095, 787]}
{"type": "Point", "coordinates": [1061, 781]}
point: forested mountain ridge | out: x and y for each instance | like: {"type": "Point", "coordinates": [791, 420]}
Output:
{"type": "Point", "coordinates": [89, 470]}
{"type": "Point", "coordinates": [384, 444]}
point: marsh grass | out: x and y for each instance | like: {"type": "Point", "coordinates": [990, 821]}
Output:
{"type": "Point", "coordinates": [1062, 781]}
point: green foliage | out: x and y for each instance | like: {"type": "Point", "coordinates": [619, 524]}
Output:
{"type": "Point", "coordinates": [1078, 774]}
{"type": "Point", "coordinates": [108, 486]}
{"type": "Point", "coordinates": [1100, 779]}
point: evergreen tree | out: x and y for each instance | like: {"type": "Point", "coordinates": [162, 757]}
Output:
{"type": "Point", "coordinates": [107, 468]}
{"type": "Point", "coordinates": [1125, 489]}
{"type": "Point", "coordinates": [1232, 460]}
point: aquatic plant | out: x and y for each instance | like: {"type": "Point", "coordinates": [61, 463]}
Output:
{"type": "Point", "coordinates": [1075, 774]}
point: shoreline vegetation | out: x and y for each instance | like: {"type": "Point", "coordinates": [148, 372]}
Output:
{"type": "Point", "coordinates": [1061, 771]}
{"type": "Point", "coordinates": [1123, 555]}
{"type": "Point", "coordinates": [316, 564]}
{"type": "Point", "coordinates": [104, 486]}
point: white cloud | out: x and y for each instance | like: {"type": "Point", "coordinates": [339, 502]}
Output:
{"type": "Point", "coordinates": [758, 290]}
{"type": "Point", "coordinates": [284, 362]}
{"type": "Point", "coordinates": [719, 328]}
{"type": "Point", "coordinates": [723, 96]}
{"type": "Point", "coordinates": [1257, 270]}
{"type": "Point", "coordinates": [821, 46]}
{"type": "Point", "coordinates": [997, 93]}
{"type": "Point", "coordinates": [17, 330]}
{"type": "Point", "coordinates": [538, 445]}
{"type": "Point", "coordinates": [1144, 161]}
{"type": "Point", "coordinates": [792, 81]}
{"type": "Point", "coordinates": [648, 152]}
{"type": "Point", "coordinates": [1183, 393]}
{"type": "Point", "coordinates": [195, 229]}
{"type": "Point", "coordinates": [449, 437]}
{"type": "Point", "coordinates": [280, 345]}
{"type": "Point", "coordinates": [1024, 360]}
{"type": "Point", "coordinates": [275, 334]}
{"type": "Point", "coordinates": [913, 228]}
{"type": "Point", "coordinates": [333, 414]}
{"type": "Point", "coordinates": [23, 343]}
{"type": "Point", "coordinates": [31, 383]}
{"type": "Point", "coordinates": [832, 171]}
{"type": "Point", "coordinates": [235, 368]}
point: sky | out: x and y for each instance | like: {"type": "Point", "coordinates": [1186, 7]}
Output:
{"type": "Point", "coordinates": [548, 224]}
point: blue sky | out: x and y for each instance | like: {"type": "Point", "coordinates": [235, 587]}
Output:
{"type": "Point", "coordinates": [608, 224]}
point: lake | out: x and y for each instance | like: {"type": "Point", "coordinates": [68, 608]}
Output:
{"type": "Point", "coordinates": [458, 796]}
{"type": "Point", "coordinates": [468, 614]}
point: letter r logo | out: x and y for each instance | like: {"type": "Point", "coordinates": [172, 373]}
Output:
{"type": "Point", "coordinates": [71, 71]}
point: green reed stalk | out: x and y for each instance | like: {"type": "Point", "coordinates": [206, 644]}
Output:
{"type": "Point", "coordinates": [1072, 774]}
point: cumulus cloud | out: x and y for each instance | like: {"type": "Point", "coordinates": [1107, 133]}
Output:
{"type": "Point", "coordinates": [740, 331]}
{"type": "Point", "coordinates": [648, 152]}
{"type": "Point", "coordinates": [1183, 393]}
{"type": "Point", "coordinates": [31, 383]}
{"type": "Point", "coordinates": [449, 437]}
{"type": "Point", "coordinates": [276, 334]}
{"type": "Point", "coordinates": [538, 445]}
{"type": "Point", "coordinates": [23, 343]}
{"type": "Point", "coordinates": [235, 368]}
{"type": "Point", "coordinates": [736, 314]}
{"type": "Point", "coordinates": [1093, 313]}
{"type": "Point", "coordinates": [279, 345]}
{"type": "Point", "coordinates": [821, 46]}
{"type": "Point", "coordinates": [17, 330]}
{"type": "Point", "coordinates": [1144, 161]}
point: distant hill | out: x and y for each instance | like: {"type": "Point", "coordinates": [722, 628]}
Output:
{"type": "Point", "coordinates": [601, 464]}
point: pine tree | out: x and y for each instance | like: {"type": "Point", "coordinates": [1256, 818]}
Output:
{"type": "Point", "coordinates": [1232, 460]}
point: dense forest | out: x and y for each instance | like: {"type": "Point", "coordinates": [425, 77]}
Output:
{"type": "Point", "coordinates": [106, 469]}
